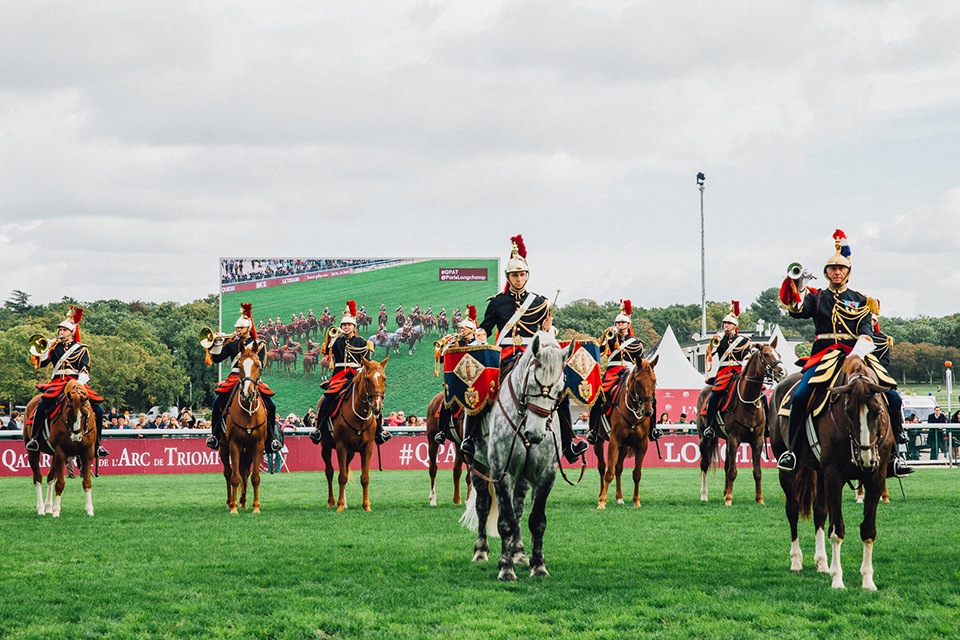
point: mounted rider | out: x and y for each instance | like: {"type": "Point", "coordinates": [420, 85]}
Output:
{"type": "Point", "coordinates": [348, 351]}
{"type": "Point", "coordinates": [517, 315]}
{"type": "Point", "coordinates": [466, 338]}
{"type": "Point", "coordinates": [310, 313]}
{"type": "Point", "coordinates": [623, 351]}
{"type": "Point", "coordinates": [71, 361]}
{"type": "Point", "coordinates": [244, 336]}
{"type": "Point", "coordinates": [732, 351]}
{"type": "Point", "coordinates": [843, 321]}
{"type": "Point", "coordinates": [269, 321]}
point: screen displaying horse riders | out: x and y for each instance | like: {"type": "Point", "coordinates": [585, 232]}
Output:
{"type": "Point", "coordinates": [402, 305]}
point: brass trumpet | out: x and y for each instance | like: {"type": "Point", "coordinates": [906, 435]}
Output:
{"type": "Point", "coordinates": [333, 333]}
{"type": "Point", "coordinates": [609, 333]}
{"type": "Point", "coordinates": [39, 344]}
{"type": "Point", "coordinates": [208, 338]}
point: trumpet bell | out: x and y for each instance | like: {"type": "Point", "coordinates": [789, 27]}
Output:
{"type": "Point", "coordinates": [794, 271]}
{"type": "Point", "coordinates": [206, 337]}
{"type": "Point", "coordinates": [38, 344]}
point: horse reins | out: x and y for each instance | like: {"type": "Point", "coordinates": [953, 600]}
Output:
{"type": "Point", "coordinates": [854, 440]}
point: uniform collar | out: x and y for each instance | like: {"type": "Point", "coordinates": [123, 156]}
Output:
{"type": "Point", "coordinates": [837, 290]}
{"type": "Point", "coordinates": [517, 294]}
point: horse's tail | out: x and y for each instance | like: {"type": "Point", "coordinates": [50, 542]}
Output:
{"type": "Point", "coordinates": [806, 490]}
{"type": "Point", "coordinates": [471, 520]}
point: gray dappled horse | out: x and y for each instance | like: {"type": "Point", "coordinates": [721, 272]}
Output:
{"type": "Point", "coordinates": [520, 444]}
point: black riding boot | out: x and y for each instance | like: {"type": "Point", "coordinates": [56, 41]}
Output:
{"type": "Point", "coordinates": [98, 417]}
{"type": "Point", "coordinates": [596, 416]}
{"type": "Point", "coordinates": [274, 438]}
{"type": "Point", "coordinates": [39, 417]}
{"type": "Point", "coordinates": [216, 421]}
{"type": "Point", "coordinates": [323, 415]}
{"type": "Point", "coordinates": [711, 417]}
{"type": "Point", "coordinates": [443, 423]}
{"type": "Point", "coordinates": [897, 467]}
{"type": "Point", "coordinates": [382, 434]}
{"type": "Point", "coordinates": [572, 448]}
{"type": "Point", "coordinates": [467, 446]}
{"type": "Point", "coordinates": [788, 459]}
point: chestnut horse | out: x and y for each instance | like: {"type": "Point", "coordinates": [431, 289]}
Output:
{"type": "Point", "coordinates": [854, 442]}
{"type": "Point", "coordinates": [72, 432]}
{"type": "Point", "coordinates": [631, 418]}
{"type": "Point", "coordinates": [743, 420]}
{"type": "Point", "coordinates": [433, 426]}
{"type": "Point", "coordinates": [354, 428]}
{"type": "Point", "coordinates": [246, 432]}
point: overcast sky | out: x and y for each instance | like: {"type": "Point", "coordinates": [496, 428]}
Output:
{"type": "Point", "coordinates": [140, 142]}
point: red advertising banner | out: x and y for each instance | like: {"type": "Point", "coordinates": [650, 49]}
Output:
{"type": "Point", "coordinates": [190, 455]}
{"type": "Point", "coordinates": [275, 282]}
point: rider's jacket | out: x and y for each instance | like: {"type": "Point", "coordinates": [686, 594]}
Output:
{"type": "Point", "coordinates": [732, 352]}
{"type": "Point", "coordinates": [503, 306]}
{"type": "Point", "coordinates": [233, 349]}
{"type": "Point", "coordinates": [75, 365]}
{"type": "Point", "coordinates": [622, 351]}
{"type": "Point", "coordinates": [839, 317]}
{"type": "Point", "coordinates": [347, 356]}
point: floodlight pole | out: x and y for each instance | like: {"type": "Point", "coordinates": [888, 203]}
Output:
{"type": "Point", "coordinates": [703, 272]}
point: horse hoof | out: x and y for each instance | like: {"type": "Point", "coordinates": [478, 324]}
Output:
{"type": "Point", "coordinates": [480, 556]}
{"type": "Point", "coordinates": [341, 508]}
{"type": "Point", "coordinates": [636, 503]}
{"type": "Point", "coordinates": [619, 500]}
{"type": "Point", "coordinates": [507, 575]}
{"type": "Point", "coordinates": [366, 507]}
{"type": "Point", "coordinates": [602, 505]}
{"type": "Point", "coordinates": [760, 501]}
{"type": "Point", "coordinates": [539, 572]}
{"type": "Point", "coordinates": [256, 509]}
{"type": "Point", "coordinates": [90, 512]}
{"type": "Point", "coordinates": [234, 510]}
{"type": "Point", "coordinates": [728, 502]}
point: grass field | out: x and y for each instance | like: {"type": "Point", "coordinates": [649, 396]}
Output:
{"type": "Point", "coordinates": [410, 380]}
{"type": "Point", "coordinates": [163, 558]}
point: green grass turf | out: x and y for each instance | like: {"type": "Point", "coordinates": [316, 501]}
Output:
{"type": "Point", "coordinates": [410, 379]}
{"type": "Point", "coordinates": [163, 558]}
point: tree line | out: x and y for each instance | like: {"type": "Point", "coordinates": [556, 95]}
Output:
{"type": "Point", "coordinates": [146, 354]}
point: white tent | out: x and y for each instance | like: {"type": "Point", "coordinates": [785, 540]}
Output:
{"type": "Point", "coordinates": [673, 369]}
{"type": "Point", "coordinates": [788, 357]}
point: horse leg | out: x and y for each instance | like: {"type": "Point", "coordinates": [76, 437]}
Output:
{"type": "Point", "coordinates": [730, 469]}
{"type": "Point", "coordinates": [637, 472]}
{"type": "Point", "coordinates": [86, 471]}
{"type": "Point", "coordinates": [255, 476]}
{"type": "Point", "coordinates": [868, 528]}
{"type": "Point", "coordinates": [481, 548]}
{"type": "Point", "coordinates": [757, 449]}
{"type": "Point", "coordinates": [538, 525]}
{"type": "Point", "coordinates": [432, 447]}
{"type": "Point", "coordinates": [34, 459]}
{"type": "Point", "coordinates": [234, 475]}
{"type": "Point", "coordinates": [365, 456]}
{"type": "Point", "coordinates": [519, 501]}
{"type": "Point", "coordinates": [457, 471]}
{"type": "Point", "coordinates": [610, 465]}
{"type": "Point", "coordinates": [833, 498]}
{"type": "Point", "coordinates": [792, 507]}
{"type": "Point", "coordinates": [706, 451]}
{"type": "Point", "coordinates": [328, 471]}
{"type": "Point", "coordinates": [621, 452]}
{"type": "Point", "coordinates": [506, 525]}
{"type": "Point", "coordinates": [227, 471]}
{"type": "Point", "coordinates": [602, 470]}
{"type": "Point", "coordinates": [343, 464]}
{"type": "Point", "coordinates": [819, 536]}
{"type": "Point", "coordinates": [57, 467]}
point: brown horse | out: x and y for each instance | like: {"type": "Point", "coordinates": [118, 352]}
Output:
{"type": "Point", "coordinates": [854, 442]}
{"type": "Point", "coordinates": [72, 432]}
{"type": "Point", "coordinates": [631, 418]}
{"type": "Point", "coordinates": [744, 419]}
{"type": "Point", "coordinates": [354, 428]}
{"type": "Point", "coordinates": [246, 432]}
{"type": "Point", "coordinates": [433, 426]}
{"type": "Point", "coordinates": [309, 363]}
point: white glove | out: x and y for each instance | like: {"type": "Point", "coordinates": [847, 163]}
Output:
{"type": "Point", "coordinates": [83, 378]}
{"type": "Point", "coordinates": [863, 347]}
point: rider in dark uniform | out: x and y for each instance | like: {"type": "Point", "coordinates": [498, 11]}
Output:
{"type": "Point", "coordinates": [517, 315]}
{"type": "Point", "coordinates": [842, 318]}
{"type": "Point", "coordinates": [71, 361]}
{"type": "Point", "coordinates": [623, 351]}
{"type": "Point", "coordinates": [466, 338]}
{"type": "Point", "coordinates": [348, 351]}
{"type": "Point", "coordinates": [243, 336]}
{"type": "Point", "coordinates": [731, 350]}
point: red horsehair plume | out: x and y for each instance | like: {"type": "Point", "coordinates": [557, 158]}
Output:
{"type": "Point", "coordinates": [521, 248]}
{"type": "Point", "coordinates": [77, 313]}
{"type": "Point", "coordinates": [472, 313]}
{"type": "Point", "coordinates": [627, 307]}
{"type": "Point", "coordinates": [736, 307]}
{"type": "Point", "coordinates": [841, 240]}
{"type": "Point", "coordinates": [352, 306]}
{"type": "Point", "coordinates": [247, 312]}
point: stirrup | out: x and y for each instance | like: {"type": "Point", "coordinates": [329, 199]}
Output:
{"type": "Point", "coordinates": [903, 438]}
{"type": "Point", "coordinates": [708, 432]}
{"type": "Point", "coordinates": [787, 462]}
{"type": "Point", "coordinates": [467, 448]}
{"type": "Point", "coordinates": [316, 435]}
{"type": "Point", "coordinates": [213, 443]}
{"type": "Point", "coordinates": [656, 433]}
{"type": "Point", "coordinates": [900, 468]}
{"type": "Point", "coordinates": [574, 450]}
{"type": "Point", "coordinates": [592, 437]}
{"type": "Point", "coordinates": [33, 445]}
{"type": "Point", "coordinates": [440, 438]}
{"type": "Point", "coordinates": [382, 437]}
{"type": "Point", "coordinates": [274, 446]}
{"type": "Point", "coordinates": [101, 452]}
